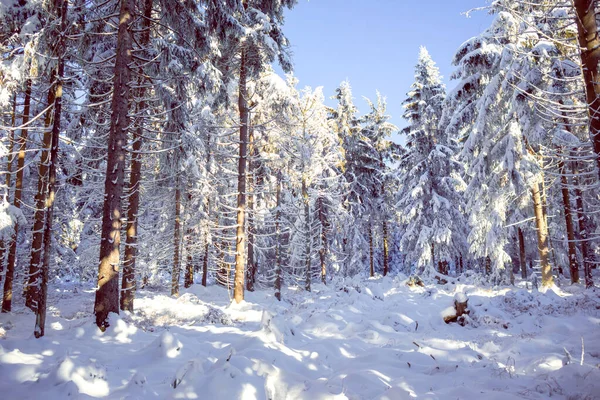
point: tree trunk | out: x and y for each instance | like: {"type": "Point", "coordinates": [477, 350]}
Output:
{"type": "Point", "coordinates": [433, 256]}
{"type": "Point", "coordinates": [323, 249]}
{"type": "Point", "coordinates": [371, 257]}
{"type": "Point", "coordinates": [128, 282]}
{"type": "Point", "coordinates": [189, 266]}
{"type": "Point", "coordinates": [240, 242]}
{"type": "Point", "coordinates": [206, 248]}
{"type": "Point", "coordinates": [522, 260]}
{"type": "Point", "coordinates": [176, 241]}
{"type": "Point", "coordinates": [278, 277]}
{"type": "Point", "coordinates": [107, 293]}
{"type": "Point", "coordinates": [32, 287]}
{"type": "Point", "coordinates": [545, 211]}
{"type": "Point", "coordinates": [542, 235]}
{"type": "Point", "coordinates": [589, 43]}
{"type": "Point", "coordinates": [386, 257]}
{"type": "Point", "coordinates": [307, 226]}
{"type": "Point", "coordinates": [573, 262]}
{"type": "Point", "coordinates": [11, 157]}
{"type": "Point", "coordinates": [42, 295]}
{"type": "Point", "coordinates": [251, 276]}
{"type": "Point", "coordinates": [12, 252]}
{"type": "Point", "coordinates": [42, 292]}
{"type": "Point", "coordinates": [581, 221]}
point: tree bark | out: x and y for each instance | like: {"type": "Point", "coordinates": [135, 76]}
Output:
{"type": "Point", "coordinates": [542, 235]}
{"type": "Point", "coordinates": [251, 276]}
{"type": "Point", "coordinates": [323, 249]}
{"type": "Point", "coordinates": [175, 274]}
{"type": "Point", "coordinates": [582, 223]}
{"type": "Point", "coordinates": [240, 242]}
{"type": "Point", "coordinates": [188, 280]}
{"type": "Point", "coordinates": [307, 226]}
{"type": "Point", "coordinates": [206, 248]}
{"type": "Point", "coordinates": [42, 295]}
{"type": "Point", "coordinates": [107, 292]}
{"type": "Point", "coordinates": [42, 292]}
{"type": "Point", "coordinates": [371, 257]}
{"type": "Point", "coordinates": [11, 157]}
{"type": "Point", "coordinates": [573, 262]}
{"type": "Point", "coordinates": [128, 281]}
{"type": "Point", "coordinates": [522, 260]}
{"type": "Point", "coordinates": [32, 288]}
{"type": "Point", "coordinates": [386, 256]}
{"type": "Point", "coordinates": [278, 275]}
{"type": "Point", "coordinates": [589, 43]}
{"type": "Point", "coordinates": [12, 252]}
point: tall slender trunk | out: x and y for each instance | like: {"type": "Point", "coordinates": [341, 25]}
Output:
{"type": "Point", "coordinates": [251, 276]}
{"type": "Point", "coordinates": [33, 281]}
{"type": "Point", "coordinates": [240, 237]}
{"type": "Point", "coordinates": [12, 252]}
{"type": "Point", "coordinates": [582, 223]}
{"type": "Point", "coordinates": [128, 281]}
{"type": "Point", "coordinates": [189, 264]}
{"type": "Point", "coordinates": [176, 241]}
{"type": "Point", "coordinates": [206, 248]}
{"type": "Point", "coordinates": [107, 292]}
{"type": "Point", "coordinates": [308, 238]}
{"type": "Point", "coordinates": [573, 262]}
{"type": "Point", "coordinates": [433, 256]}
{"type": "Point", "coordinates": [278, 275]}
{"type": "Point", "coordinates": [371, 257]}
{"type": "Point", "coordinates": [386, 256]}
{"type": "Point", "coordinates": [545, 211]}
{"type": "Point", "coordinates": [42, 295]}
{"type": "Point", "coordinates": [11, 157]}
{"type": "Point", "coordinates": [542, 235]}
{"type": "Point", "coordinates": [522, 260]}
{"type": "Point", "coordinates": [589, 43]}
{"type": "Point", "coordinates": [323, 249]}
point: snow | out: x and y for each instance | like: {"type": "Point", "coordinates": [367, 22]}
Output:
{"type": "Point", "coordinates": [359, 338]}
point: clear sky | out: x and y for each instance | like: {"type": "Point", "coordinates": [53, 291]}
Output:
{"type": "Point", "coordinates": [374, 43]}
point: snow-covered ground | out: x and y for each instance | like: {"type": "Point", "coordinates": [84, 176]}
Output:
{"type": "Point", "coordinates": [354, 339]}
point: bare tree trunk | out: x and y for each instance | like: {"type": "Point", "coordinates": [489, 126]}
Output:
{"type": "Point", "coordinates": [240, 262]}
{"type": "Point", "coordinates": [323, 249]}
{"type": "Point", "coordinates": [573, 263]}
{"type": "Point", "coordinates": [583, 234]}
{"type": "Point", "coordinates": [433, 255]}
{"type": "Point", "coordinates": [522, 260]}
{"type": "Point", "coordinates": [32, 287]}
{"type": "Point", "coordinates": [371, 257]}
{"type": "Point", "coordinates": [589, 43]}
{"type": "Point", "coordinates": [176, 241]}
{"type": "Point", "coordinates": [251, 276]}
{"type": "Point", "coordinates": [12, 253]}
{"type": "Point", "coordinates": [386, 256]}
{"type": "Point", "coordinates": [307, 226]}
{"type": "Point", "coordinates": [42, 295]}
{"type": "Point", "coordinates": [542, 235]}
{"type": "Point", "coordinates": [128, 282]}
{"type": "Point", "coordinates": [206, 248]}
{"type": "Point", "coordinates": [107, 293]}
{"type": "Point", "coordinates": [189, 266]}
{"type": "Point", "coordinates": [545, 211]}
{"type": "Point", "coordinates": [11, 157]}
{"type": "Point", "coordinates": [278, 277]}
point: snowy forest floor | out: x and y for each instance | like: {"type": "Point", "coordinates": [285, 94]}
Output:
{"type": "Point", "coordinates": [353, 339]}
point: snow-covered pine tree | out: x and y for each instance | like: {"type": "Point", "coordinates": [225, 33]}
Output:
{"type": "Point", "coordinates": [430, 203]}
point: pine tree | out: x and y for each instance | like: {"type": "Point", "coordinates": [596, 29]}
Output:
{"type": "Point", "coordinates": [431, 199]}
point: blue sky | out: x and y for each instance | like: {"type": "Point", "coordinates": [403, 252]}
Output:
{"type": "Point", "coordinates": [374, 43]}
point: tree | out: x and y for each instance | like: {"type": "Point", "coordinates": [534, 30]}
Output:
{"type": "Point", "coordinates": [431, 197]}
